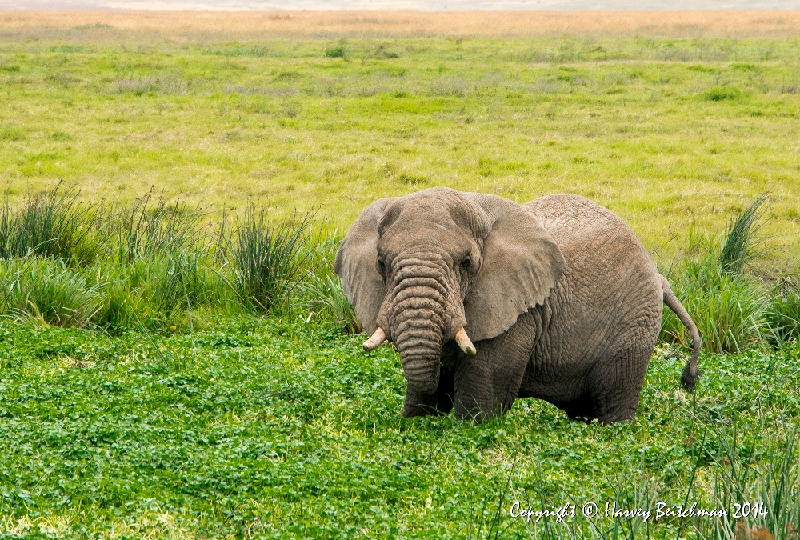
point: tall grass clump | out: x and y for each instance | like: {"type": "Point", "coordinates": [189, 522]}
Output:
{"type": "Point", "coordinates": [320, 292]}
{"type": "Point", "coordinates": [50, 224]}
{"type": "Point", "coordinates": [741, 239]}
{"type": "Point", "coordinates": [157, 292]}
{"type": "Point", "coordinates": [728, 309]}
{"type": "Point", "coordinates": [783, 315]}
{"type": "Point", "coordinates": [728, 306]}
{"type": "Point", "coordinates": [153, 227]}
{"type": "Point", "coordinates": [160, 266]}
{"type": "Point", "coordinates": [48, 290]}
{"type": "Point", "coordinates": [767, 491]}
{"type": "Point", "coordinates": [265, 259]}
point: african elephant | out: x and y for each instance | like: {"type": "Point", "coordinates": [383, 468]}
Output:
{"type": "Point", "coordinates": [488, 300]}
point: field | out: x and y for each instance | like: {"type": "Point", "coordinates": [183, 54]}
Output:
{"type": "Point", "coordinates": [150, 389]}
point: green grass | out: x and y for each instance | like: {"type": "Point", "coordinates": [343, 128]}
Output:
{"type": "Point", "coordinates": [49, 224]}
{"type": "Point", "coordinates": [48, 291]}
{"type": "Point", "coordinates": [663, 131]}
{"type": "Point", "coordinates": [181, 416]}
{"type": "Point", "coordinates": [730, 307]}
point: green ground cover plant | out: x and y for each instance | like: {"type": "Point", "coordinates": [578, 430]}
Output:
{"type": "Point", "coordinates": [185, 412]}
{"type": "Point", "coordinates": [260, 428]}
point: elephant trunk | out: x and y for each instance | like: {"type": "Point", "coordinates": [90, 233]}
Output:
{"type": "Point", "coordinates": [420, 323]}
{"type": "Point", "coordinates": [419, 342]}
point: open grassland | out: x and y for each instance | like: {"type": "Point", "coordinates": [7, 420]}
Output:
{"type": "Point", "coordinates": [672, 134]}
{"type": "Point", "coordinates": [169, 371]}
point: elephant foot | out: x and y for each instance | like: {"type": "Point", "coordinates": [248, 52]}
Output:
{"type": "Point", "coordinates": [471, 409]}
{"type": "Point", "coordinates": [584, 410]}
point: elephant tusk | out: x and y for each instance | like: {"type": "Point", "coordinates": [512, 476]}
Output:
{"type": "Point", "coordinates": [464, 343]}
{"type": "Point", "coordinates": [375, 340]}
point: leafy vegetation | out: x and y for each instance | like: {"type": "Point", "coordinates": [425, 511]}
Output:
{"type": "Point", "coordinates": [226, 425]}
{"type": "Point", "coordinates": [264, 428]}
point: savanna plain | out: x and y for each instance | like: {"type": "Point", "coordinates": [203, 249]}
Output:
{"type": "Point", "coordinates": [177, 359]}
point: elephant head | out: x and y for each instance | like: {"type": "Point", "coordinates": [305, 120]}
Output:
{"type": "Point", "coordinates": [441, 265]}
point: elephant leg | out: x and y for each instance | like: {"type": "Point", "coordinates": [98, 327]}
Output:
{"type": "Point", "coordinates": [444, 392]}
{"type": "Point", "coordinates": [472, 391]}
{"type": "Point", "coordinates": [616, 385]}
{"type": "Point", "coordinates": [486, 385]}
{"type": "Point", "coordinates": [578, 409]}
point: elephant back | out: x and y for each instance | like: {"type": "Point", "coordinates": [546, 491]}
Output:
{"type": "Point", "coordinates": [580, 227]}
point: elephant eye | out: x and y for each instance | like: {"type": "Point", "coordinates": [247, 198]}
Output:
{"type": "Point", "coordinates": [465, 263]}
{"type": "Point", "coordinates": [381, 267]}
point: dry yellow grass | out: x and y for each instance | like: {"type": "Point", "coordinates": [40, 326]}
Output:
{"type": "Point", "coordinates": [298, 24]}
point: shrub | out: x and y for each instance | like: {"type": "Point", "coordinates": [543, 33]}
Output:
{"type": "Point", "coordinates": [265, 259]}
{"type": "Point", "coordinates": [48, 290]}
{"type": "Point", "coordinates": [723, 93]}
{"type": "Point", "coordinates": [336, 51]}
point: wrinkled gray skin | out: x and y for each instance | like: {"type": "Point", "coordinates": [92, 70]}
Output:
{"type": "Point", "coordinates": [558, 295]}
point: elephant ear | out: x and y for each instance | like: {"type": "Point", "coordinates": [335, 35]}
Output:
{"type": "Point", "coordinates": [356, 264]}
{"type": "Point", "coordinates": [521, 264]}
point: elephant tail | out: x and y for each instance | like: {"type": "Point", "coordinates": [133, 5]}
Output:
{"type": "Point", "coordinates": [690, 372]}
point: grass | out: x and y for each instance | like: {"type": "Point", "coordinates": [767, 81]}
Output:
{"type": "Point", "coordinates": [320, 290]}
{"type": "Point", "coordinates": [50, 225]}
{"type": "Point", "coordinates": [48, 291]}
{"type": "Point", "coordinates": [243, 426]}
{"type": "Point", "coordinates": [664, 131]}
{"type": "Point", "coordinates": [729, 310]}
{"type": "Point", "coordinates": [784, 312]}
{"type": "Point", "coordinates": [156, 265]}
{"type": "Point", "coordinates": [265, 259]}
{"type": "Point", "coordinates": [742, 240]}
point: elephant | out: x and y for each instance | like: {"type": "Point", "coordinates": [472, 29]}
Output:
{"type": "Point", "coordinates": [487, 300]}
